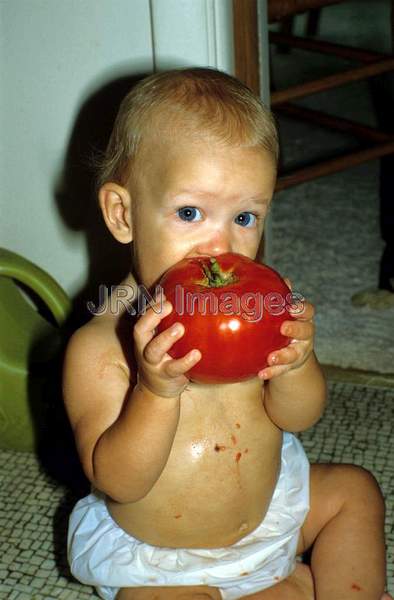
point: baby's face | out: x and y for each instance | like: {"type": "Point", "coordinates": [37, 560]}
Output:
{"type": "Point", "coordinates": [199, 199]}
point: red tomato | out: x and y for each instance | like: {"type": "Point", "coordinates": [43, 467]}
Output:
{"type": "Point", "coordinates": [232, 308]}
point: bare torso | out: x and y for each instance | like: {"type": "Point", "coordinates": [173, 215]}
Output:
{"type": "Point", "coordinates": [222, 468]}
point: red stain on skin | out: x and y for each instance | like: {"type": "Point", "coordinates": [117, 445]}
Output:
{"type": "Point", "coordinates": [233, 439]}
{"type": "Point", "coordinates": [219, 448]}
{"type": "Point", "coordinates": [238, 456]}
{"type": "Point", "coordinates": [237, 425]}
{"type": "Point", "coordinates": [246, 450]}
{"type": "Point", "coordinates": [356, 587]}
{"type": "Point", "coordinates": [177, 516]}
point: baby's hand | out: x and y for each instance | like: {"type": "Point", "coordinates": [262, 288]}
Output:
{"type": "Point", "coordinates": [301, 331]}
{"type": "Point", "coordinates": [161, 374]}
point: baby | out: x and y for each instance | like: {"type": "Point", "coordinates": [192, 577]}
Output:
{"type": "Point", "coordinates": [203, 491]}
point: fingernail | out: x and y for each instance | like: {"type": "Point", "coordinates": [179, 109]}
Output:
{"type": "Point", "coordinates": [175, 329]}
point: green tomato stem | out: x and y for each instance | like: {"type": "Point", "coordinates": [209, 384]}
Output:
{"type": "Point", "coordinates": [215, 277]}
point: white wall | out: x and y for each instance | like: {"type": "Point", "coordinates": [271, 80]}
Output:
{"type": "Point", "coordinates": [56, 55]}
{"type": "Point", "coordinates": [193, 32]}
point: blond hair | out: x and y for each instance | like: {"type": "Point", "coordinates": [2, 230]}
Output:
{"type": "Point", "coordinates": [199, 101]}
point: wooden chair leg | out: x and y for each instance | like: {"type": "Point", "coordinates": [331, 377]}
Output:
{"type": "Point", "coordinates": [333, 165]}
{"type": "Point", "coordinates": [286, 27]}
{"type": "Point", "coordinates": [312, 24]}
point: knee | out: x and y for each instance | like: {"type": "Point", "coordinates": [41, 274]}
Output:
{"type": "Point", "coordinates": [360, 487]}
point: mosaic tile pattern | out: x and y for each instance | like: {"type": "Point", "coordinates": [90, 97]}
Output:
{"type": "Point", "coordinates": [358, 427]}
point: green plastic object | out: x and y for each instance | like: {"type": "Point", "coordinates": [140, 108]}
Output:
{"type": "Point", "coordinates": [33, 308]}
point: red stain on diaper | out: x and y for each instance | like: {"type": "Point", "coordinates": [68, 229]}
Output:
{"type": "Point", "coordinates": [237, 425]}
{"type": "Point", "coordinates": [238, 456]}
{"type": "Point", "coordinates": [356, 587]}
{"type": "Point", "coordinates": [219, 448]}
{"type": "Point", "coordinates": [233, 439]}
{"type": "Point", "coordinates": [177, 516]}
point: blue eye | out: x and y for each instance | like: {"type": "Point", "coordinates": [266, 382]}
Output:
{"type": "Point", "coordinates": [246, 219]}
{"type": "Point", "coordinates": [188, 213]}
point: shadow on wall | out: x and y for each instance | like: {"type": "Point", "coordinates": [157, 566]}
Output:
{"type": "Point", "coordinates": [108, 263]}
{"type": "Point", "coordinates": [76, 198]}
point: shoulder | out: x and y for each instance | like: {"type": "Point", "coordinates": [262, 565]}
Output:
{"type": "Point", "coordinates": [102, 345]}
{"type": "Point", "coordinates": [97, 376]}
{"type": "Point", "coordinates": [94, 343]}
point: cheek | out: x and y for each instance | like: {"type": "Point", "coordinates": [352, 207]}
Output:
{"type": "Point", "coordinates": [151, 258]}
{"type": "Point", "coordinates": [249, 241]}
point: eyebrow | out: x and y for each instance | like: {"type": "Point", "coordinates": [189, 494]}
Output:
{"type": "Point", "coordinates": [201, 193]}
{"type": "Point", "coordinates": [191, 192]}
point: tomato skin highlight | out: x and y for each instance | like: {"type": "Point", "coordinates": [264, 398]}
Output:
{"type": "Point", "coordinates": [235, 325]}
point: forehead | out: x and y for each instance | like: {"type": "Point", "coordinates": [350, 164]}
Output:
{"type": "Point", "coordinates": [207, 166]}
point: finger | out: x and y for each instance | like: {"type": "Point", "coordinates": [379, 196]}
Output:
{"type": "Point", "coordinates": [156, 349]}
{"type": "Point", "coordinates": [270, 372]}
{"type": "Point", "coordinates": [144, 329]}
{"type": "Point", "coordinates": [285, 356]}
{"type": "Point", "coordinates": [177, 367]}
{"type": "Point", "coordinates": [298, 330]}
{"type": "Point", "coordinates": [302, 310]}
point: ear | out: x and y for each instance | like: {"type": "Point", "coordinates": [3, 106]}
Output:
{"type": "Point", "coordinates": [115, 204]}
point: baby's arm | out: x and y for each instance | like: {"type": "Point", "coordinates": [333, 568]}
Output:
{"type": "Point", "coordinates": [295, 389]}
{"type": "Point", "coordinates": [124, 432]}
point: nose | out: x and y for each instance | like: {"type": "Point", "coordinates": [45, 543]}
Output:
{"type": "Point", "coordinates": [218, 242]}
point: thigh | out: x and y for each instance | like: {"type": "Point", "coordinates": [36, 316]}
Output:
{"type": "Point", "coordinates": [198, 592]}
{"type": "Point", "coordinates": [331, 487]}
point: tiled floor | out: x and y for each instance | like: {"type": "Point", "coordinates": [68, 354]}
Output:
{"type": "Point", "coordinates": [360, 377]}
{"type": "Point", "coordinates": [358, 427]}
{"type": "Point", "coordinates": [33, 523]}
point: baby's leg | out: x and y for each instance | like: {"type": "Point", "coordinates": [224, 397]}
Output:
{"type": "Point", "coordinates": [346, 528]}
{"type": "Point", "coordinates": [298, 586]}
{"type": "Point", "coordinates": [200, 592]}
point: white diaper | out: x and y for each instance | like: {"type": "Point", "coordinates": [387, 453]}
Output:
{"type": "Point", "coordinates": [101, 554]}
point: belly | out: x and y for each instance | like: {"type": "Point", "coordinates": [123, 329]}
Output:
{"type": "Point", "coordinates": [215, 488]}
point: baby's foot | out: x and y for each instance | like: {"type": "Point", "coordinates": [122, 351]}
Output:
{"type": "Point", "coordinates": [377, 299]}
